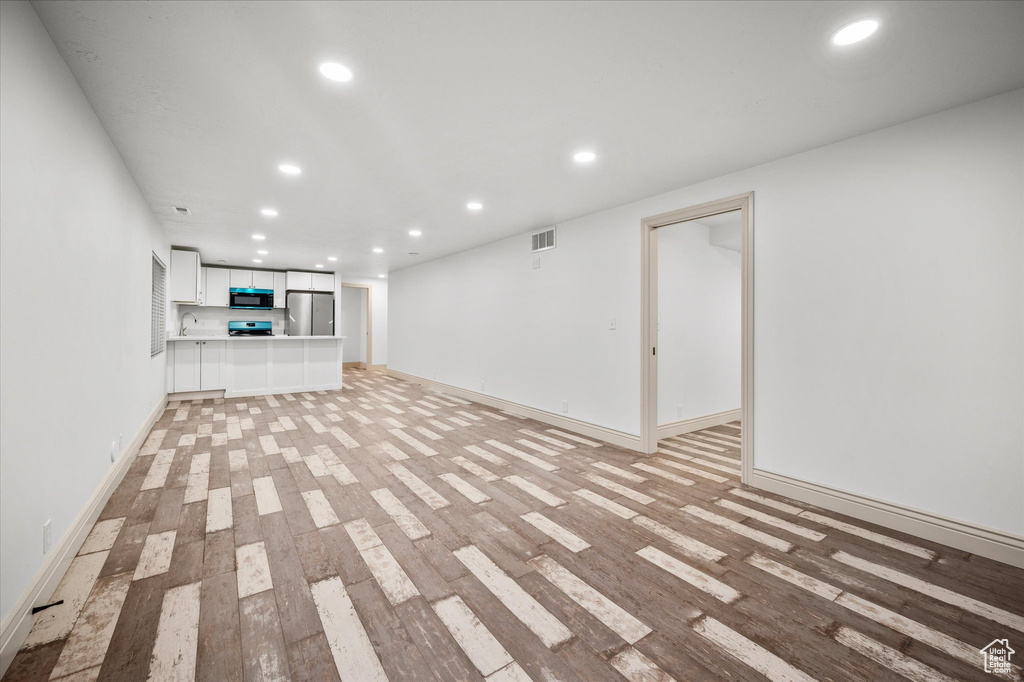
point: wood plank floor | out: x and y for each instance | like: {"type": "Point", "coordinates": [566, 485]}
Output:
{"type": "Point", "coordinates": [384, 532]}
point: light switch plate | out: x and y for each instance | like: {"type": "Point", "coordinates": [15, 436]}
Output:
{"type": "Point", "coordinates": [536, 263]}
{"type": "Point", "coordinates": [565, 406]}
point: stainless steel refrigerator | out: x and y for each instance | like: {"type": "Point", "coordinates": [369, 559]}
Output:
{"type": "Point", "coordinates": [309, 314]}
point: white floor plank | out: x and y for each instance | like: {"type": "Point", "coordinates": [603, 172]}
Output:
{"type": "Point", "coordinates": [386, 570]}
{"type": "Point", "coordinates": [267, 501]}
{"type": "Point", "coordinates": [404, 519]}
{"type": "Point", "coordinates": [661, 472]}
{"type": "Point", "coordinates": [770, 520]}
{"type": "Point", "coordinates": [475, 469]}
{"type": "Point", "coordinates": [562, 536]}
{"type": "Point", "coordinates": [605, 503]}
{"type": "Point", "coordinates": [687, 573]}
{"type": "Point", "coordinates": [354, 656]}
{"type": "Point", "coordinates": [465, 489]}
{"type": "Point", "coordinates": [618, 488]}
{"type": "Point", "coordinates": [739, 528]}
{"type": "Point", "coordinates": [484, 651]}
{"type": "Point", "coordinates": [621, 473]}
{"type": "Point", "coordinates": [894, 660]}
{"type": "Point", "coordinates": [539, 620]}
{"type": "Point", "coordinates": [253, 569]}
{"type": "Point", "coordinates": [794, 577]}
{"type": "Point", "coordinates": [177, 635]}
{"type": "Point", "coordinates": [485, 455]}
{"type": "Point", "coordinates": [869, 535]}
{"type": "Point", "coordinates": [57, 621]}
{"type": "Point", "coordinates": [525, 456]}
{"type": "Point", "coordinates": [218, 510]}
{"type": "Point", "coordinates": [689, 469]}
{"type": "Point", "coordinates": [423, 491]}
{"type": "Point", "coordinates": [535, 491]}
{"type": "Point", "coordinates": [320, 509]}
{"type": "Point", "coordinates": [974, 606]}
{"type": "Point", "coordinates": [614, 617]}
{"type": "Point", "coordinates": [766, 501]}
{"type": "Point", "coordinates": [102, 536]}
{"type": "Point", "coordinates": [684, 543]}
{"type": "Point", "coordinates": [636, 667]}
{"type": "Point", "coordinates": [752, 654]}
{"type": "Point", "coordinates": [156, 555]}
{"type": "Point", "coordinates": [87, 644]}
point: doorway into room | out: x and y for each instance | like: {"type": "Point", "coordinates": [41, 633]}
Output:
{"type": "Point", "coordinates": [356, 325]}
{"type": "Point", "coordinates": [697, 329]}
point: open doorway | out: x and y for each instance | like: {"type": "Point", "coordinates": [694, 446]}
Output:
{"type": "Point", "coordinates": [356, 325]}
{"type": "Point", "coordinates": [697, 329]}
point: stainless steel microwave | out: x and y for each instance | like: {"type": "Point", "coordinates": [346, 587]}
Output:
{"type": "Point", "coordinates": [251, 299]}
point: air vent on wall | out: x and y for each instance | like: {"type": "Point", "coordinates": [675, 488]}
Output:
{"type": "Point", "coordinates": [181, 210]}
{"type": "Point", "coordinates": [543, 240]}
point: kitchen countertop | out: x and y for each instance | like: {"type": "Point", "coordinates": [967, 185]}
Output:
{"type": "Point", "coordinates": [226, 337]}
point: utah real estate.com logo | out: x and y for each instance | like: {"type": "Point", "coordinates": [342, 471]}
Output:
{"type": "Point", "coordinates": [997, 656]}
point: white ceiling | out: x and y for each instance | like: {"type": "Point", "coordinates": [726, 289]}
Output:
{"type": "Point", "coordinates": [488, 101]}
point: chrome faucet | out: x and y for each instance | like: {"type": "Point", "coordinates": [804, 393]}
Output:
{"type": "Point", "coordinates": [195, 319]}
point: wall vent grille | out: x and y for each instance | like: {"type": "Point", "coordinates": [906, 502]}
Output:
{"type": "Point", "coordinates": [543, 240]}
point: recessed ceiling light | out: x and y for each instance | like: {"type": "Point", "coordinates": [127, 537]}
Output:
{"type": "Point", "coordinates": [258, 237]}
{"type": "Point", "coordinates": [332, 258]}
{"type": "Point", "coordinates": [474, 206]}
{"type": "Point", "coordinates": [269, 212]}
{"type": "Point", "coordinates": [382, 276]}
{"type": "Point", "coordinates": [584, 157]}
{"type": "Point", "coordinates": [855, 32]}
{"type": "Point", "coordinates": [289, 169]}
{"type": "Point", "coordinates": [319, 265]}
{"type": "Point", "coordinates": [336, 72]}
{"type": "Point", "coordinates": [262, 252]}
{"type": "Point", "coordinates": [378, 250]}
{"type": "Point", "coordinates": [256, 260]}
{"type": "Point", "coordinates": [414, 233]}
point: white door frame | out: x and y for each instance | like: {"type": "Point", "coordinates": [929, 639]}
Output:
{"type": "Point", "coordinates": [649, 319]}
{"type": "Point", "coordinates": [369, 318]}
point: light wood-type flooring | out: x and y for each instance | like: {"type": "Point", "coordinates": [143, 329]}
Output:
{"type": "Point", "coordinates": [385, 532]}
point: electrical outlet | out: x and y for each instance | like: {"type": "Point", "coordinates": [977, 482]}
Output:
{"type": "Point", "coordinates": [113, 450]}
{"type": "Point", "coordinates": [47, 537]}
{"type": "Point", "coordinates": [120, 442]}
{"type": "Point", "coordinates": [536, 262]}
{"type": "Point", "coordinates": [611, 323]}
{"type": "Point", "coordinates": [565, 406]}
{"type": "Point", "coordinates": [679, 411]}
{"type": "Point", "coordinates": [433, 375]}
{"type": "Point", "coordinates": [483, 386]}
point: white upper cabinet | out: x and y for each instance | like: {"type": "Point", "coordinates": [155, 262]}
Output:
{"type": "Point", "coordinates": [262, 279]}
{"type": "Point", "coordinates": [186, 274]}
{"type": "Point", "coordinates": [302, 281]}
{"type": "Point", "coordinates": [310, 281]}
{"type": "Point", "coordinates": [323, 281]}
{"type": "Point", "coordinates": [280, 286]}
{"type": "Point", "coordinates": [241, 279]}
{"type": "Point", "coordinates": [217, 285]}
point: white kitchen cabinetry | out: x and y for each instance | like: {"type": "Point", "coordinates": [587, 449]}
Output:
{"type": "Point", "coordinates": [241, 279]}
{"type": "Point", "coordinates": [280, 287]}
{"type": "Point", "coordinates": [262, 279]}
{"type": "Point", "coordinates": [216, 288]}
{"type": "Point", "coordinates": [323, 281]}
{"type": "Point", "coordinates": [310, 281]}
{"type": "Point", "coordinates": [198, 365]}
{"type": "Point", "coordinates": [211, 360]}
{"type": "Point", "coordinates": [301, 281]}
{"type": "Point", "coordinates": [186, 276]}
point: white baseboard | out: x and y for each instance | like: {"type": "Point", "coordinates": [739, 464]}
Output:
{"type": "Point", "coordinates": [624, 440]}
{"type": "Point", "coordinates": [18, 621]}
{"type": "Point", "coordinates": [1007, 548]}
{"type": "Point", "coordinates": [194, 395]}
{"type": "Point", "coordinates": [698, 423]}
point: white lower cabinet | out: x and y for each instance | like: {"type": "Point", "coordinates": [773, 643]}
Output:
{"type": "Point", "coordinates": [199, 365]}
{"type": "Point", "coordinates": [211, 372]}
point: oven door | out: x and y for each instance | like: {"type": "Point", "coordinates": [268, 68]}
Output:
{"type": "Point", "coordinates": [251, 299]}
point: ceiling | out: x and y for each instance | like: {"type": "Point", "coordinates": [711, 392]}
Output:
{"type": "Point", "coordinates": [461, 101]}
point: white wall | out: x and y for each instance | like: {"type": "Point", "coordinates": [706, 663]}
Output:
{"type": "Point", "coordinates": [378, 316]}
{"type": "Point", "coordinates": [699, 316]}
{"type": "Point", "coordinates": [353, 323]}
{"type": "Point", "coordinates": [889, 314]}
{"type": "Point", "coordinates": [76, 239]}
